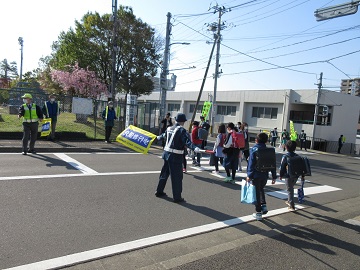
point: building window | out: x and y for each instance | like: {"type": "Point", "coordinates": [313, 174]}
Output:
{"type": "Point", "coordinates": [264, 112]}
{"type": "Point", "coordinates": [226, 110]}
{"type": "Point", "coordinates": [192, 107]}
{"type": "Point", "coordinates": [173, 107]}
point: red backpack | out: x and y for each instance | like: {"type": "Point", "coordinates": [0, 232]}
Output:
{"type": "Point", "coordinates": [238, 139]}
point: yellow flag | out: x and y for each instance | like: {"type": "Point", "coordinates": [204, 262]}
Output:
{"type": "Point", "coordinates": [46, 127]}
{"type": "Point", "coordinates": [136, 139]}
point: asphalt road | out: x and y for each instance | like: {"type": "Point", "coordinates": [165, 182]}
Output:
{"type": "Point", "coordinates": [54, 205]}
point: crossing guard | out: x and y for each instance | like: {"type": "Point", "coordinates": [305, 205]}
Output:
{"type": "Point", "coordinates": [177, 138]}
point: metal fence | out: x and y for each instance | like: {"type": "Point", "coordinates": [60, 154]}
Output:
{"type": "Point", "coordinates": [76, 126]}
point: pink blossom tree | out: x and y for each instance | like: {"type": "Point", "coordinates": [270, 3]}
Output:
{"type": "Point", "coordinates": [79, 82]}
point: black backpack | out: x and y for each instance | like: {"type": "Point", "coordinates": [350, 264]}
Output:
{"type": "Point", "coordinates": [265, 159]}
{"type": "Point", "coordinates": [298, 166]}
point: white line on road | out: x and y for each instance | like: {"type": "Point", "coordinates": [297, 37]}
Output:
{"type": "Point", "coordinates": [49, 176]}
{"type": "Point", "coordinates": [282, 194]}
{"type": "Point", "coordinates": [141, 243]}
{"type": "Point", "coordinates": [76, 164]}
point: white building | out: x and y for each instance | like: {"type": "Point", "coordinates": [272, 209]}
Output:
{"type": "Point", "coordinates": [267, 109]}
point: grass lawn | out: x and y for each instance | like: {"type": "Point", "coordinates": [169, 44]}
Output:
{"type": "Point", "coordinates": [66, 122]}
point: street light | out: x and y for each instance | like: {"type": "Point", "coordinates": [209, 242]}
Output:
{"type": "Point", "coordinates": [21, 43]}
{"type": "Point", "coordinates": [327, 13]}
{"type": "Point", "coordinates": [114, 49]}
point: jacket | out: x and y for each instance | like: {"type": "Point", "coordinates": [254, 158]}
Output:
{"type": "Point", "coordinates": [284, 164]}
{"type": "Point", "coordinates": [195, 137]}
{"type": "Point", "coordinates": [252, 173]}
{"type": "Point", "coordinates": [51, 110]}
{"type": "Point", "coordinates": [111, 116]}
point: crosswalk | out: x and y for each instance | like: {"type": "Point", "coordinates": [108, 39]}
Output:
{"type": "Point", "coordinates": [279, 194]}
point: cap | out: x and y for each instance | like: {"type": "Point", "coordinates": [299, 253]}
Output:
{"type": "Point", "coordinates": [202, 117]}
{"type": "Point", "coordinates": [180, 117]}
{"type": "Point", "coordinates": [27, 96]}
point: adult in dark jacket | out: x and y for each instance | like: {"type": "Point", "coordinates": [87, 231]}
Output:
{"type": "Point", "coordinates": [51, 109]}
{"type": "Point", "coordinates": [109, 116]}
{"type": "Point", "coordinates": [258, 178]}
{"type": "Point", "coordinates": [177, 138]}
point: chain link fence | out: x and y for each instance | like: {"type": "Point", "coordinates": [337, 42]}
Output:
{"type": "Point", "coordinates": [72, 126]}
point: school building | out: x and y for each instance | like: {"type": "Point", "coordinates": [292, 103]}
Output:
{"type": "Point", "coordinates": [267, 109]}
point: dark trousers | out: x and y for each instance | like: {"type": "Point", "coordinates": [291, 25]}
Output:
{"type": "Point", "coordinates": [339, 148]}
{"type": "Point", "coordinates": [290, 183]}
{"type": "Point", "coordinates": [53, 127]}
{"type": "Point", "coordinates": [174, 170]}
{"type": "Point", "coordinates": [246, 154]}
{"type": "Point", "coordinates": [273, 141]}
{"type": "Point", "coordinates": [259, 184]}
{"type": "Point", "coordinates": [197, 155]}
{"type": "Point", "coordinates": [302, 144]}
{"type": "Point", "coordinates": [108, 132]}
{"type": "Point", "coordinates": [30, 131]}
{"type": "Point", "coordinates": [203, 144]}
{"type": "Point", "coordinates": [217, 162]}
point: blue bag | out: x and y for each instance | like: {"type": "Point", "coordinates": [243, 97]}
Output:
{"type": "Point", "coordinates": [248, 193]}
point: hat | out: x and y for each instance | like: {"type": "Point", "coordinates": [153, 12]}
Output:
{"type": "Point", "coordinates": [27, 96]}
{"type": "Point", "coordinates": [202, 117]}
{"type": "Point", "coordinates": [110, 102]}
{"type": "Point", "coordinates": [180, 117]}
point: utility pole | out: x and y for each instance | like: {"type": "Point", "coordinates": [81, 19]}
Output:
{"type": "Point", "coordinates": [21, 42]}
{"type": "Point", "coordinates": [114, 49]}
{"type": "Point", "coordinates": [316, 110]}
{"type": "Point", "coordinates": [217, 36]}
{"type": "Point", "coordinates": [165, 69]}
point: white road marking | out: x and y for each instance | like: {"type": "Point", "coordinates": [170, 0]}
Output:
{"type": "Point", "coordinates": [94, 254]}
{"type": "Point", "coordinates": [282, 194]}
{"type": "Point", "coordinates": [353, 222]}
{"type": "Point", "coordinates": [76, 164]}
{"type": "Point", "coordinates": [49, 176]}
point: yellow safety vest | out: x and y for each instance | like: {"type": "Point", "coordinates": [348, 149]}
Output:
{"type": "Point", "coordinates": [30, 115]}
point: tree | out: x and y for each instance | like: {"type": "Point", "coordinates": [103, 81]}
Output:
{"type": "Point", "coordinates": [8, 71]}
{"type": "Point", "coordinates": [90, 45]}
{"type": "Point", "coordinates": [79, 82]}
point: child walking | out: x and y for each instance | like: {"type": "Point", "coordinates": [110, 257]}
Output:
{"type": "Point", "coordinates": [289, 181]}
{"type": "Point", "coordinates": [259, 178]}
{"type": "Point", "coordinates": [219, 146]}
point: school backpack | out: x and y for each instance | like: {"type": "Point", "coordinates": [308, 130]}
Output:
{"type": "Point", "coordinates": [238, 139]}
{"type": "Point", "coordinates": [298, 166]}
{"type": "Point", "coordinates": [265, 159]}
{"type": "Point", "coordinates": [203, 134]}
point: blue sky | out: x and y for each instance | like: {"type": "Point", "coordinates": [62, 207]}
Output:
{"type": "Point", "coordinates": [259, 38]}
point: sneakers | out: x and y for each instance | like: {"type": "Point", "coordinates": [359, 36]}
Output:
{"type": "Point", "coordinates": [290, 207]}
{"type": "Point", "coordinates": [215, 172]}
{"type": "Point", "coordinates": [264, 209]}
{"type": "Point", "coordinates": [257, 215]}
{"type": "Point", "coordinates": [184, 170]}
{"type": "Point", "coordinates": [239, 170]}
{"type": "Point", "coordinates": [194, 162]}
{"type": "Point", "coordinates": [197, 164]}
{"type": "Point", "coordinates": [228, 179]}
{"type": "Point", "coordinates": [179, 200]}
{"type": "Point", "coordinates": [23, 153]}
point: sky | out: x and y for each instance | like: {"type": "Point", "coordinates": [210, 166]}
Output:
{"type": "Point", "coordinates": [266, 44]}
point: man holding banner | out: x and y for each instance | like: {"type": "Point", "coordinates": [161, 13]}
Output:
{"type": "Point", "coordinates": [177, 138]}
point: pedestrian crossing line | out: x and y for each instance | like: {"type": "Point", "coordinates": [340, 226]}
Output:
{"type": "Point", "coordinates": [76, 258]}
{"type": "Point", "coordinates": [76, 164]}
{"type": "Point", "coordinates": [283, 195]}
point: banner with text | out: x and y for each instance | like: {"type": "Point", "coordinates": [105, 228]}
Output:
{"type": "Point", "coordinates": [46, 127]}
{"type": "Point", "coordinates": [206, 109]}
{"type": "Point", "coordinates": [136, 139]}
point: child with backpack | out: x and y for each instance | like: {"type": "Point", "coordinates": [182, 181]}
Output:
{"type": "Point", "coordinates": [261, 160]}
{"type": "Point", "coordinates": [289, 174]}
{"type": "Point", "coordinates": [231, 151]}
{"type": "Point", "coordinates": [218, 147]}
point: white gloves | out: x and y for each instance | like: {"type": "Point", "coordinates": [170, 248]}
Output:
{"type": "Point", "coordinates": [159, 138]}
{"type": "Point", "coordinates": [197, 150]}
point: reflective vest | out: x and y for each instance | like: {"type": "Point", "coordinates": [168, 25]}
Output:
{"type": "Point", "coordinates": [107, 112]}
{"type": "Point", "coordinates": [30, 115]}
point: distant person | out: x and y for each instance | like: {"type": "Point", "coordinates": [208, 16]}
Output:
{"type": "Point", "coordinates": [302, 140]}
{"type": "Point", "coordinates": [51, 109]}
{"type": "Point", "coordinates": [238, 125]}
{"type": "Point", "coordinates": [197, 142]}
{"type": "Point", "coordinates": [285, 136]}
{"type": "Point", "coordinates": [205, 125]}
{"type": "Point", "coordinates": [31, 114]}
{"type": "Point", "coordinates": [109, 116]}
{"type": "Point", "coordinates": [244, 127]}
{"type": "Point", "coordinates": [274, 136]}
{"type": "Point", "coordinates": [259, 178]}
{"type": "Point", "coordinates": [340, 143]}
{"type": "Point", "coordinates": [219, 146]}
{"type": "Point", "coordinates": [177, 138]}
{"type": "Point", "coordinates": [284, 173]}
{"type": "Point", "coordinates": [165, 123]}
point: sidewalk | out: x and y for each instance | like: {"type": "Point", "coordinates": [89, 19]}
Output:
{"type": "Point", "coordinates": [15, 146]}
